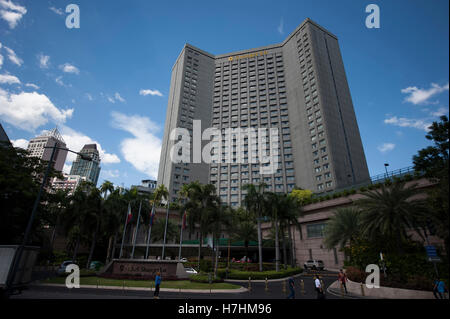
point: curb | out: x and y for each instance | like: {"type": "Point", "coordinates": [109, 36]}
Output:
{"type": "Point", "coordinates": [262, 280]}
{"type": "Point", "coordinates": [239, 290]}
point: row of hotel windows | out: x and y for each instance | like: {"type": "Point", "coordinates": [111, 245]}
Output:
{"type": "Point", "coordinates": [313, 112]}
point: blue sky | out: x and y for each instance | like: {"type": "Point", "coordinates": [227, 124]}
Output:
{"type": "Point", "coordinates": [108, 81]}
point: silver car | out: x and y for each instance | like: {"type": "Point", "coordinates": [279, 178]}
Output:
{"type": "Point", "coordinates": [191, 271]}
{"type": "Point", "coordinates": [314, 264]}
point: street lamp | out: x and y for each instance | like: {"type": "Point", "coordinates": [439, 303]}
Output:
{"type": "Point", "coordinates": [385, 167]}
{"type": "Point", "coordinates": [16, 262]}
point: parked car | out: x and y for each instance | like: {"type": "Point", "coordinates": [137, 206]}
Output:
{"type": "Point", "coordinates": [314, 265]}
{"type": "Point", "coordinates": [62, 268]}
{"type": "Point", "coordinates": [96, 265]}
{"type": "Point", "coordinates": [183, 260]}
{"type": "Point", "coordinates": [191, 271]}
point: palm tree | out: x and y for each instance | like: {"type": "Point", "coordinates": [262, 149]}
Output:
{"type": "Point", "coordinates": [343, 227]}
{"type": "Point", "coordinates": [244, 227]}
{"type": "Point", "coordinates": [273, 205]}
{"type": "Point", "coordinates": [390, 212]}
{"type": "Point", "coordinates": [220, 219]}
{"type": "Point", "coordinates": [77, 217]}
{"type": "Point", "coordinates": [95, 206]}
{"type": "Point", "coordinates": [202, 202]}
{"type": "Point", "coordinates": [160, 227]}
{"type": "Point", "coordinates": [58, 202]}
{"type": "Point", "coordinates": [254, 202]}
{"type": "Point", "coordinates": [114, 206]}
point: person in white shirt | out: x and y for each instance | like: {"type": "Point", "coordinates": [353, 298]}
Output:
{"type": "Point", "coordinates": [319, 288]}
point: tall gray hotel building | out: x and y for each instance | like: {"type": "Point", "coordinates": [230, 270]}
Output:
{"type": "Point", "coordinates": [298, 86]}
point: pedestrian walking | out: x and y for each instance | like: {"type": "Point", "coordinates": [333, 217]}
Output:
{"type": "Point", "coordinates": [319, 288]}
{"type": "Point", "coordinates": [342, 277]}
{"type": "Point", "coordinates": [291, 288]}
{"type": "Point", "coordinates": [439, 289]}
{"type": "Point", "coordinates": [157, 285]}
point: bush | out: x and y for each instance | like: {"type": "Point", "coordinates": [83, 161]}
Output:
{"type": "Point", "coordinates": [256, 275]}
{"type": "Point", "coordinates": [204, 278]}
{"type": "Point", "coordinates": [205, 265]}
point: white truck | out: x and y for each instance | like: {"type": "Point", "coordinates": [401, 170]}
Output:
{"type": "Point", "coordinates": [8, 253]}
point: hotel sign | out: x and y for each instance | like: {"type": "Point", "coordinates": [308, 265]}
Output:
{"type": "Point", "coordinates": [245, 56]}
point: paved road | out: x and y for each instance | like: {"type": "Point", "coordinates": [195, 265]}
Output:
{"type": "Point", "coordinates": [257, 292]}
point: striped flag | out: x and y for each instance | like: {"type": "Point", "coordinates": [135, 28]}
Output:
{"type": "Point", "coordinates": [184, 220]}
{"type": "Point", "coordinates": [129, 215]}
{"type": "Point", "coordinates": [152, 216]}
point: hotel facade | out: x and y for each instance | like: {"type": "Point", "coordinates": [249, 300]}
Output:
{"type": "Point", "coordinates": [297, 87]}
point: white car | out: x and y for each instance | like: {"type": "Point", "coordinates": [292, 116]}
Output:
{"type": "Point", "coordinates": [314, 265]}
{"type": "Point", "coordinates": [191, 271]}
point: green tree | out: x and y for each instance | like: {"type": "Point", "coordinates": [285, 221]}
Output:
{"type": "Point", "coordinates": [244, 227]}
{"type": "Point", "coordinates": [20, 180]}
{"type": "Point", "coordinates": [254, 202]}
{"type": "Point", "coordinates": [433, 162]}
{"type": "Point", "coordinates": [343, 227]}
{"type": "Point", "coordinates": [390, 212]}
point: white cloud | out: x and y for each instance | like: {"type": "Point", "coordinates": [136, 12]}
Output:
{"type": "Point", "coordinates": [89, 97]}
{"type": "Point", "coordinates": [9, 79]}
{"type": "Point", "coordinates": [422, 96]}
{"type": "Point", "coordinates": [118, 97]}
{"type": "Point", "coordinates": [421, 124]}
{"type": "Point", "coordinates": [12, 56]}
{"type": "Point", "coordinates": [69, 68]}
{"type": "Point", "coordinates": [110, 99]}
{"type": "Point", "coordinates": [31, 85]}
{"type": "Point", "coordinates": [22, 143]}
{"type": "Point", "coordinates": [150, 92]}
{"type": "Point", "coordinates": [281, 27]}
{"type": "Point", "coordinates": [386, 147]}
{"type": "Point", "coordinates": [58, 11]}
{"type": "Point", "coordinates": [59, 81]}
{"type": "Point", "coordinates": [110, 173]}
{"type": "Point", "coordinates": [44, 61]}
{"type": "Point", "coordinates": [76, 140]}
{"type": "Point", "coordinates": [441, 111]}
{"type": "Point", "coordinates": [11, 12]}
{"type": "Point", "coordinates": [144, 148]}
{"type": "Point", "coordinates": [30, 110]}
{"type": "Point", "coordinates": [1, 58]}
{"type": "Point", "coordinates": [67, 167]}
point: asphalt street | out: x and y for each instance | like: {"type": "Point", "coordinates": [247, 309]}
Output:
{"type": "Point", "coordinates": [258, 291]}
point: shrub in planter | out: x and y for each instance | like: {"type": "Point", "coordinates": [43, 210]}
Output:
{"type": "Point", "coordinates": [256, 275]}
{"type": "Point", "coordinates": [205, 265]}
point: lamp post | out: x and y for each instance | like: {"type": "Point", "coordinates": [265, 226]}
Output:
{"type": "Point", "coordinates": [27, 234]}
{"type": "Point", "coordinates": [385, 167]}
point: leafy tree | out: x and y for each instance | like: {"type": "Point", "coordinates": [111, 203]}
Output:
{"type": "Point", "coordinates": [20, 180]}
{"type": "Point", "coordinates": [433, 162]}
{"type": "Point", "coordinates": [301, 195]}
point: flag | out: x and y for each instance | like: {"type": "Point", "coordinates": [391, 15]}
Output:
{"type": "Point", "coordinates": [129, 215]}
{"type": "Point", "coordinates": [152, 216]}
{"type": "Point", "coordinates": [183, 226]}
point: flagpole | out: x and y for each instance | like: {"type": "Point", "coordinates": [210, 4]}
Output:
{"type": "Point", "coordinates": [137, 230]}
{"type": "Point", "coordinates": [149, 231]}
{"type": "Point", "coordinates": [124, 230]}
{"type": "Point", "coordinates": [181, 238]}
{"type": "Point", "coordinates": [165, 230]}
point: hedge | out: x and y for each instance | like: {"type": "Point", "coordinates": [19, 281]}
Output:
{"type": "Point", "coordinates": [204, 278]}
{"type": "Point", "coordinates": [256, 275]}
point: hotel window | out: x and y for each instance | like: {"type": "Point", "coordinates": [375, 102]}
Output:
{"type": "Point", "coordinates": [327, 175]}
{"type": "Point", "coordinates": [329, 184]}
{"type": "Point", "coordinates": [315, 230]}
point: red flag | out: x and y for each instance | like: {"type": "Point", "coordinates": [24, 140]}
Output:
{"type": "Point", "coordinates": [184, 220]}
{"type": "Point", "coordinates": [129, 215]}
